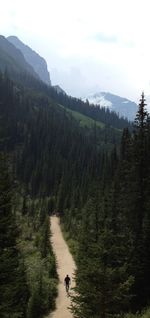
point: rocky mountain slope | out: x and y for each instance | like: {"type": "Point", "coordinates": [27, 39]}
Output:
{"type": "Point", "coordinates": [122, 106]}
{"type": "Point", "coordinates": [34, 59]}
{"type": "Point", "coordinates": [12, 60]}
{"type": "Point", "coordinates": [82, 112]}
{"type": "Point", "coordinates": [59, 89]}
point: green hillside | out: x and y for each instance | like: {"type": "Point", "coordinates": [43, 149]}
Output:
{"type": "Point", "coordinates": [84, 120]}
{"type": "Point", "coordinates": [87, 122]}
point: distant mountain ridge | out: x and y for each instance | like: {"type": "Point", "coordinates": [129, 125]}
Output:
{"type": "Point", "coordinates": [34, 59]}
{"type": "Point", "coordinates": [12, 60]}
{"type": "Point", "coordinates": [22, 73]}
{"type": "Point", "coordinates": [122, 106]}
{"type": "Point", "coordinates": [59, 89]}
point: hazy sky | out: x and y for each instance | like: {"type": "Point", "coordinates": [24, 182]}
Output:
{"type": "Point", "coordinates": [89, 45]}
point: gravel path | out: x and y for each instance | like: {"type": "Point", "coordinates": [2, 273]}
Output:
{"type": "Point", "coordinates": [65, 265]}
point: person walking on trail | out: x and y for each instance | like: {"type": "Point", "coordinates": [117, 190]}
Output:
{"type": "Point", "coordinates": [67, 282]}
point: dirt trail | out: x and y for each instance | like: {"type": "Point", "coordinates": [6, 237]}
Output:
{"type": "Point", "coordinates": [65, 265]}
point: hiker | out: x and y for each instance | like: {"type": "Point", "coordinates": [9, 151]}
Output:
{"type": "Point", "coordinates": [67, 282]}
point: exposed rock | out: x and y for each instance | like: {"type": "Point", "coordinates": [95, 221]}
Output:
{"type": "Point", "coordinates": [59, 89]}
{"type": "Point", "coordinates": [12, 60]}
{"type": "Point", "coordinates": [34, 59]}
{"type": "Point", "coordinates": [122, 106]}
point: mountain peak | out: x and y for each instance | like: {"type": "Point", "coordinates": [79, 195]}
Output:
{"type": "Point", "coordinates": [33, 58]}
{"type": "Point", "coordinates": [121, 105]}
{"type": "Point", "coordinates": [13, 60]}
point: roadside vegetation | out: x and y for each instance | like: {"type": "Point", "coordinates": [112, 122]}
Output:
{"type": "Point", "coordinates": [34, 244]}
{"type": "Point", "coordinates": [144, 314]}
{"type": "Point", "coordinates": [28, 279]}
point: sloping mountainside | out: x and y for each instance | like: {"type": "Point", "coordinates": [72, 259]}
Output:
{"type": "Point", "coordinates": [24, 76]}
{"type": "Point", "coordinates": [56, 135]}
{"type": "Point", "coordinates": [34, 59]}
{"type": "Point", "coordinates": [13, 61]}
{"type": "Point", "coordinates": [64, 134]}
{"type": "Point", "coordinates": [53, 146]}
{"type": "Point", "coordinates": [122, 106]}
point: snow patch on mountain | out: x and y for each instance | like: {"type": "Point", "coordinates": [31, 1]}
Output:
{"type": "Point", "coordinates": [122, 106]}
{"type": "Point", "coordinates": [99, 99]}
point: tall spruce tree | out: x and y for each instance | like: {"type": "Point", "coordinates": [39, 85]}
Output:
{"type": "Point", "coordinates": [139, 183]}
{"type": "Point", "coordinates": [140, 138]}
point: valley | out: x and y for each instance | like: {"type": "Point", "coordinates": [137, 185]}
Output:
{"type": "Point", "coordinates": [60, 155]}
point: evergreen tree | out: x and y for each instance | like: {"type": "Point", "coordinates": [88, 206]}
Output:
{"type": "Point", "coordinates": [45, 237]}
{"type": "Point", "coordinates": [140, 161]}
{"type": "Point", "coordinates": [140, 175]}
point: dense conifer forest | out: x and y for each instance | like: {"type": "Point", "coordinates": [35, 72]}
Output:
{"type": "Point", "coordinates": [113, 257]}
{"type": "Point", "coordinates": [97, 178]}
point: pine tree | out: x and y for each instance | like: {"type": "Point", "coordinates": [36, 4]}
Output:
{"type": "Point", "coordinates": [24, 206]}
{"type": "Point", "coordinates": [45, 237]}
{"type": "Point", "coordinates": [139, 157]}
{"type": "Point", "coordinates": [139, 183]}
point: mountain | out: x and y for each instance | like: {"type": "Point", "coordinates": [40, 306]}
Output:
{"type": "Point", "coordinates": [12, 60]}
{"type": "Point", "coordinates": [84, 113]}
{"type": "Point", "coordinates": [19, 70]}
{"type": "Point", "coordinates": [59, 89]}
{"type": "Point", "coordinates": [122, 106]}
{"type": "Point", "coordinates": [34, 59]}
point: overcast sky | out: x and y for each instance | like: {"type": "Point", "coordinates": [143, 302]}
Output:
{"type": "Point", "coordinates": [90, 46]}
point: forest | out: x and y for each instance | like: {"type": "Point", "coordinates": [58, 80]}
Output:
{"type": "Point", "coordinates": [97, 178]}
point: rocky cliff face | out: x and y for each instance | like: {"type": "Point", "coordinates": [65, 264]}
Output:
{"type": "Point", "coordinates": [12, 60]}
{"type": "Point", "coordinates": [59, 89]}
{"type": "Point", "coordinates": [34, 59]}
